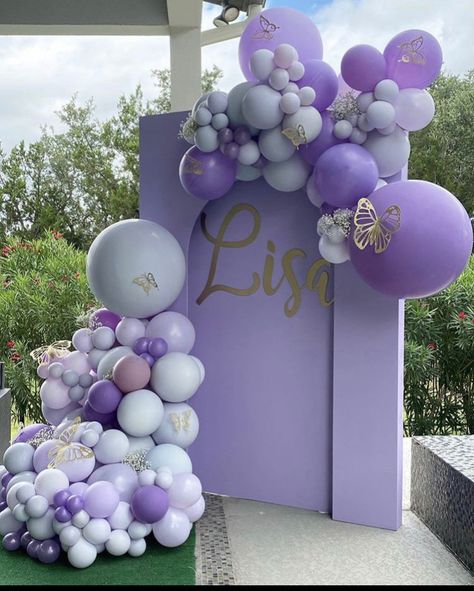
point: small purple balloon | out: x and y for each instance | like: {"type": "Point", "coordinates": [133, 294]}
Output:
{"type": "Point", "coordinates": [344, 174]}
{"type": "Point", "coordinates": [363, 67]}
{"type": "Point", "coordinates": [61, 497]}
{"type": "Point", "coordinates": [242, 135]}
{"type": "Point", "coordinates": [25, 539]}
{"type": "Point", "coordinates": [62, 515]}
{"type": "Point", "coordinates": [414, 59]}
{"type": "Point", "coordinates": [104, 397]}
{"type": "Point", "coordinates": [323, 79]}
{"type": "Point", "coordinates": [6, 479]}
{"type": "Point", "coordinates": [28, 432]}
{"type": "Point", "coordinates": [74, 504]}
{"type": "Point", "coordinates": [149, 503]}
{"type": "Point", "coordinates": [48, 551]}
{"type": "Point", "coordinates": [104, 317]}
{"type": "Point", "coordinates": [3, 505]}
{"type": "Point", "coordinates": [3, 494]}
{"type": "Point", "coordinates": [207, 175]}
{"type": "Point", "coordinates": [32, 548]}
{"type": "Point", "coordinates": [12, 541]}
{"type": "Point", "coordinates": [141, 345]}
{"type": "Point", "coordinates": [325, 140]}
{"type": "Point", "coordinates": [148, 358]}
{"type": "Point", "coordinates": [157, 347]}
{"type": "Point", "coordinates": [225, 136]}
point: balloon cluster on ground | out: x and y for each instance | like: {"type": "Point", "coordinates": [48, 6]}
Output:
{"type": "Point", "coordinates": [296, 124]}
{"type": "Point", "coordinates": [110, 466]}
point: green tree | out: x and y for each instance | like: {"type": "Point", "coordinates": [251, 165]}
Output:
{"type": "Point", "coordinates": [85, 178]}
{"type": "Point", "coordinates": [443, 152]}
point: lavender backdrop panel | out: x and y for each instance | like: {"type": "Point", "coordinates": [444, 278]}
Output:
{"type": "Point", "coordinates": [368, 394]}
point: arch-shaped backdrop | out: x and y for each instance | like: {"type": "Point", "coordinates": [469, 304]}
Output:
{"type": "Point", "coordinates": [314, 421]}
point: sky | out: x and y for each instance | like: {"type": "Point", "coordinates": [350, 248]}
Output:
{"type": "Point", "coordinates": [39, 74]}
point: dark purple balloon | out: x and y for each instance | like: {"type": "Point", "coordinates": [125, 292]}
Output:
{"type": "Point", "coordinates": [141, 345]}
{"type": "Point", "coordinates": [344, 174]}
{"type": "Point", "coordinates": [104, 317]}
{"type": "Point", "coordinates": [320, 76]}
{"type": "Point", "coordinates": [207, 175]}
{"type": "Point", "coordinates": [12, 541]}
{"type": "Point", "coordinates": [28, 432]}
{"type": "Point", "coordinates": [48, 551]}
{"type": "Point", "coordinates": [25, 539]}
{"type": "Point", "coordinates": [232, 150]}
{"type": "Point", "coordinates": [225, 136]}
{"type": "Point", "coordinates": [326, 208]}
{"type": "Point", "coordinates": [104, 397]}
{"type": "Point", "coordinates": [32, 548]}
{"type": "Point", "coordinates": [148, 358]}
{"type": "Point", "coordinates": [61, 497]}
{"type": "Point", "coordinates": [325, 140]}
{"type": "Point", "coordinates": [3, 505]}
{"type": "Point", "coordinates": [158, 347]}
{"type": "Point", "coordinates": [62, 515]}
{"type": "Point", "coordinates": [74, 504]}
{"type": "Point", "coordinates": [6, 479]}
{"type": "Point", "coordinates": [242, 135]}
{"type": "Point", "coordinates": [149, 503]}
{"type": "Point", "coordinates": [363, 67]}
{"type": "Point", "coordinates": [3, 494]}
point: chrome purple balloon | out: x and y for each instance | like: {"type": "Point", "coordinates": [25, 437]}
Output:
{"type": "Point", "coordinates": [207, 175]}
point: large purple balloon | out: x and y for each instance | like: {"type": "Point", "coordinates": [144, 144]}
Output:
{"type": "Point", "coordinates": [428, 252]}
{"type": "Point", "coordinates": [320, 76]}
{"type": "Point", "coordinates": [149, 503]}
{"type": "Point", "coordinates": [414, 59]}
{"type": "Point", "coordinates": [344, 174]}
{"type": "Point", "coordinates": [363, 67]}
{"type": "Point", "coordinates": [104, 397]}
{"type": "Point", "coordinates": [275, 26]}
{"type": "Point", "coordinates": [207, 175]}
{"type": "Point", "coordinates": [325, 140]}
{"type": "Point", "coordinates": [122, 476]}
{"type": "Point", "coordinates": [28, 432]}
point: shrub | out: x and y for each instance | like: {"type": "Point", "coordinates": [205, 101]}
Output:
{"type": "Point", "coordinates": [44, 290]}
{"type": "Point", "coordinates": [439, 361]}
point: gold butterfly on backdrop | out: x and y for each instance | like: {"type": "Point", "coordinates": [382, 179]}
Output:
{"type": "Point", "coordinates": [296, 135]}
{"type": "Point", "coordinates": [267, 29]}
{"type": "Point", "coordinates": [192, 166]}
{"type": "Point", "coordinates": [411, 52]}
{"type": "Point", "coordinates": [147, 282]}
{"type": "Point", "coordinates": [48, 353]}
{"type": "Point", "coordinates": [180, 421]}
{"type": "Point", "coordinates": [372, 230]}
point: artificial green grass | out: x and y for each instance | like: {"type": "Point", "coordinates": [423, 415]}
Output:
{"type": "Point", "coordinates": [158, 566]}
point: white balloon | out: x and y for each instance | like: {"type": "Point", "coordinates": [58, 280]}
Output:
{"type": "Point", "coordinates": [171, 456]}
{"type": "Point", "coordinates": [164, 478]}
{"type": "Point", "coordinates": [174, 529]}
{"type": "Point", "coordinates": [108, 361]}
{"type": "Point", "coordinates": [25, 492]}
{"type": "Point", "coordinates": [333, 253]}
{"type": "Point", "coordinates": [146, 477]}
{"type": "Point", "coordinates": [81, 519]}
{"type": "Point", "coordinates": [122, 517]}
{"type": "Point", "coordinates": [49, 482]}
{"type": "Point", "coordinates": [185, 491]}
{"type": "Point", "coordinates": [287, 176]}
{"type": "Point", "coordinates": [386, 90]}
{"type": "Point", "coordinates": [247, 173]}
{"type": "Point", "coordinates": [249, 153]}
{"type": "Point", "coordinates": [180, 425]}
{"type": "Point", "coordinates": [175, 377]}
{"type": "Point", "coordinates": [137, 530]}
{"type": "Point", "coordinates": [358, 136]}
{"type": "Point", "coordinates": [364, 100]}
{"type": "Point", "coordinates": [234, 106]}
{"type": "Point", "coordinates": [82, 554]}
{"type": "Point", "coordinates": [275, 146]}
{"type": "Point", "coordinates": [279, 79]}
{"type": "Point", "coordinates": [97, 531]}
{"type": "Point", "coordinates": [390, 152]}
{"type": "Point", "coordinates": [307, 96]}
{"type": "Point", "coordinates": [136, 268]}
{"type": "Point", "coordinates": [69, 535]}
{"type": "Point", "coordinates": [290, 102]}
{"type": "Point", "coordinates": [414, 108]}
{"type": "Point", "coordinates": [137, 443]}
{"type": "Point", "coordinates": [140, 412]}
{"type": "Point", "coordinates": [206, 138]}
{"type": "Point", "coordinates": [342, 129]}
{"type": "Point", "coordinates": [336, 234]}
{"type": "Point", "coordinates": [261, 107]}
{"type": "Point", "coordinates": [202, 369]}
{"type": "Point", "coordinates": [103, 338]}
{"type": "Point", "coordinates": [12, 500]}
{"type": "Point", "coordinates": [363, 123]}
{"type": "Point", "coordinates": [118, 542]}
{"type": "Point", "coordinates": [196, 511]}
{"type": "Point", "coordinates": [285, 55]}
{"type": "Point", "coordinates": [306, 117]}
{"type": "Point", "coordinates": [58, 526]}
{"type": "Point", "coordinates": [36, 506]}
{"type": "Point", "coordinates": [19, 458]}
{"type": "Point", "coordinates": [313, 194]}
{"type": "Point", "coordinates": [8, 523]}
{"type": "Point", "coordinates": [137, 547]}
{"type": "Point", "coordinates": [95, 357]}
{"type": "Point", "coordinates": [380, 114]}
{"type": "Point", "coordinates": [41, 528]}
{"type": "Point", "coordinates": [262, 64]}
{"type": "Point", "coordinates": [388, 130]}
{"type": "Point", "coordinates": [112, 447]}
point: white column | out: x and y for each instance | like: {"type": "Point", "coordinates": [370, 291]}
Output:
{"type": "Point", "coordinates": [185, 63]}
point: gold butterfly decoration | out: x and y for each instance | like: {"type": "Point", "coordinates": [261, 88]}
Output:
{"type": "Point", "coordinates": [267, 29]}
{"type": "Point", "coordinates": [180, 421]}
{"type": "Point", "coordinates": [411, 52]}
{"type": "Point", "coordinates": [192, 166]}
{"type": "Point", "coordinates": [65, 449]}
{"type": "Point", "coordinates": [296, 135]}
{"type": "Point", "coordinates": [66, 435]}
{"type": "Point", "coordinates": [147, 282]}
{"type": "Point", "coordinates": [49, 353]}
{"type": "Point", "coordinates": [372, 230]}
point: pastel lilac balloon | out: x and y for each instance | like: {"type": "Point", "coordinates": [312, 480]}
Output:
{"type": "Point", "coordinates": [55, 416]}
{"type": "Point", "coordinates": [414, 109]}
{"type": "Point", "coordinates": [285, 55]}
{"type": "Point", "coordinates": [279, 79]}
{"type": "Point", "coordinates": [274, 146]}
{"type": "Point", "coordinates": [344, 174]}
{"type": "Point", "coordinates": [104, 317]}
{"type": "Point", "coordinates": [185, 490]}
{"type": "Point", "coordinates": [414, 59]}
{"type": "Point", "coordinates": [427, 253]}
{"type": "Point", "coordinates": [363, 66]}
{"type": "Point", "coordinates": [390, 152]}
{"type": "Point", "coordinates": [290, 103]}
{"type": "Point", "coordinates": [276, 26]}
{"type": "Point", "coordinates": [54, 393]}
{"type": "Point", "coordinates": [149, 503]}
{"type": "Point", "coordinates": [380, 114]}
{"type": "Point", "coordinates": [82, 340]}
{"type": "Point", "coordinates": [175, 328]}
{"type": "Point", "coordinates": [123, 477]}
{"type": "Point", "coordinates": [42, 456]}
{"type": "Point", "coordinates": [202, 116]}
{"type": "Point", "coordinates": [42, 371]}
{"type": "Point", "coordinates": [78, 488]}
{"type": "Point", "coordinates": [323, 79]}
{"type": "Point", "coordinates": [219, 121]}
{"type": "Point", "coordinates": [104, 396]}
{"type": "Point", "coordinates": [196, 511]}
{"type": "Point", "coordinates": [131, 373]}
{"type": "Point", "coordinates": [101, 499]}
{"type": "Point", "coordinates": [28, 432]}
{"type": "Point", "coordinates": [205, 138]}
{"type": "Point", "coordinates": [129, 330]}
{"type": "Point", "coordinates": [217, 102]}
{"type": "Point", "coordinates": [174, 529]}
{"type": "Point", "coordinates": [261, 107]}
{"type": "Point", "coordinates": [207, 175]}
{"type": "Point", "coordinates": [77, 361]}
{"type": "Point", "coordinates": [48, 551]}
{"type": "Point", "coordinates": [325, 140]}
{"type": "Point", "coordinates": [234, 107]}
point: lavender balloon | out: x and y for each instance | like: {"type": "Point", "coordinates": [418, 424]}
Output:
{"type": "Point", "coordinates": [104, 397]}
{"type": "Point", "coordinates": [207, 175]}
{"type": "Point", "coordinates": [325, 140]}
{"type": "Point", "coordinates": [414, 59]}
{"type": "Point", "coordinates": [344, 174]}
{"type": "Point", "coordinates": [363, 66]}
{"type": "Point", "coordinates": [175, 329]}
{"type": "Point", "coordinates": [149, 503]}
{"type": "Point", "coordinates": [428, 252]}
{"type": "Point", "coordinates": [28, 432]}
{"type": "Point", "coordinates": [323, 79]}
{"type": "Point", "coordinates": [123, 477]}
{"type": "Point", "coordinates": [275, 26]}
{"type": "Point", "coordinates": [104, 317]}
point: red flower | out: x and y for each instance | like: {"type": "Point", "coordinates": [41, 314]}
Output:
{"type": "Point", "coordinates": [10, 344]}
{"type": "Point", "coordinates": [432, 346]}
{"type": "Point", "coordinates": [15, 357]}
{"type": "Point", "coordinates": [56, 235]}
{"type": "Point", "coordinates": [462, 315]}
{"type": "Point", "coordinates": [6, 250]}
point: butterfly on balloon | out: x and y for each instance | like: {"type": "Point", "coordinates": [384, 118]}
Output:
{"type": "Point", "coordinates": [267, 28]}
{"type": "Point", "coordinates": [296, 135]}
{"type": "Point", "coordinates": [411, 52]}
{"type": "Point", "coordinates": [372, 230]}
{"type": "Point", "coordinates": [180, 421]}
{"type": "Point", "coordinates": [67, 450]}
{"type": "Point", "coordinates": [48, 353]}
{"type": "Point", "coordinates": [146, 281]}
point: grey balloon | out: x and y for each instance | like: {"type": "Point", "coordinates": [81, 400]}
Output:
{"type": "Point", "coordinates": [19, 458]}
{"type": "Point", "coordinates": [390, 152]}
{"type": "Point", "coordinates": [287, 176]}
{"type": "Point", "coordinates": [199, 102]}
{"type": "Point", "coordinates": [206, 139]}
{"type": "Point", "coordinates": [261, 107]}
{"type": "Point", "coordinates": [234, 104]}
{"type": "Point", "coordinates": [275, 146]}
{"type": "Point", "coordinates": [248, 173]}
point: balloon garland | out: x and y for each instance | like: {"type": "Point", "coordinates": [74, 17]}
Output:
{"type": "Point", "coordinates": [290, 124]}
{"type": "Point", "coordinates": [111, 467]}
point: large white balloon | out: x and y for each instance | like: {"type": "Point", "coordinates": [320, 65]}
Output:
{"type": "Point", "coordinates": [169, 456]}
{"type": "Point", "coordinates": [275, 146]}
{"type": "Point", "coordinates": [41, 528]}
{"type": "Point", "coordinates": [390, 152]}
{"type": "Point", "coordinates": [180, 425]}
{"type": "Point", "coordinates": [137, 443]}
{"type": "Point", "coordinates": [112, 447]}
{"type": "Point", "coordinates": [49, 482]}
{"type": "Point", "coordinates": [8, 523]}
{"type": "Point", "coordinates": [136, 268]}
{"type": "Point", "coordinates": [82, 554]}
{"type": "Point", "coordinates": [108, 361]}
{"type": "Point", "coordinates": [261, 107]}
{"type": "Point", "coordinates": [19, 458]}
{"type": "Point", "coordinates": [173, 530]}
{"type": "Point", "coordinates": [118, 543]}
{"type": "Point", "coordinates": [414, 109]}
{"type": "Point", "coordinates": [287, 176]}
{"type": "Point", "coordinates": [307, 119]}
{"type": "Point", "coordinates": [140, 412]}
{"type": "Point", "coordinates": [175, 377]}
{"type": "Point", "coordinates": [335, 253]}
{"type": "Point", "coordinates": [234, 106]}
